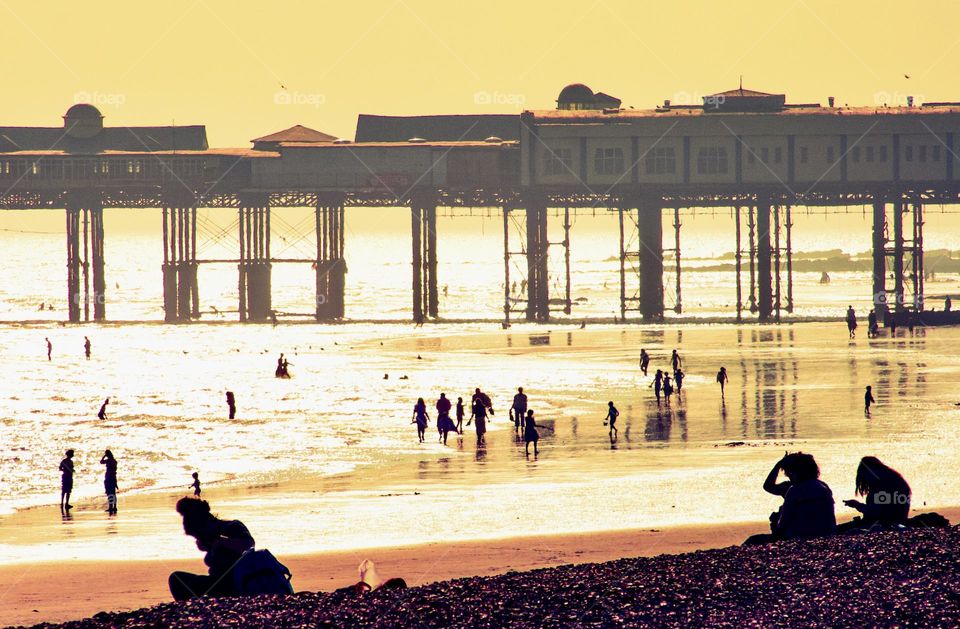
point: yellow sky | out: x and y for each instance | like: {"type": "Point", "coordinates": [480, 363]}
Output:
{"type": "Point", "coordinates": [222, 63]}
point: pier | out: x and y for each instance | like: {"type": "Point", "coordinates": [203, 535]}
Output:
{"type": "Point", "coordinates": [749, 153]}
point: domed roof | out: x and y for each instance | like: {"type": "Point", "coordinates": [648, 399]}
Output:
{"type": "Point", "coordinates": [83, 111]}
{"type": "Point", "coordinates": [576, 93]}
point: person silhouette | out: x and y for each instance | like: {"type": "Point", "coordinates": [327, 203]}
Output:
{"type": "Point", "coordinates": [223, 541]}
{"type": "Point", "coordinates": [667, 388]}
{"type": "Point", "coordinates": [231, 404]}
{"type": "Point", "coordinates": [519, 408]}
{"type": "Point", "coordinates": [279, 371]}
{"type": "Point", "coordinates": [851, 322]}
{"type": "Point", "coordinates": [675, 360]}
{"type": "Point", "coordinates": [49, 349]}
{"type": "Point", "coordinates": [657, 384]}
{"type": "Point", "coordinates": [102, 413]}
{"type": "Point", "coordinates": [807, 509]}
{"type": "Point", "coordinates": [420, 418]}
{"type": "Point", "coordinates": [611, 418]}
{"type": "Point", "coordinates": [868, 400]}
{"type": "Point", "coordinates": [887, 496]}
{"type": "Point", "coordinates": [644, 361]}
{"type": "Point", "coordinates": [460, 414]}
{"type": "Point", "coordinates": [479, 415]}
{"type": "Point", "coordinates": [86, 346]}
{"type": "Point", "coordinates": [196, 484]}
{"type": "Point", "coordinates": [110, 480]}
{"type": "Point", "coordinates": [66, 480]}
{"type": "Point", "coordinates": [530, 433]}
{"type": "Point", "coordinates": [445, 425]}
{"type": "Point", "coordinates": [678, 377]}
{"type": "Point", "coordinates": [722, 379]}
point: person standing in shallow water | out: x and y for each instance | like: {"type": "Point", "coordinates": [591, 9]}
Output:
{"type": "Point", "coordinates": [102, 413]}
{"type": "Point", "coordinates": [420, 418]}
{"type": "Point", "coordinates": [86, 346]}
{"type": "Point", "coordinates": [445, 425]}
{"type": "Point", "coordinates": [530, 433]}
{"type": "Point", "coordinates": [644, 361]}
{"type": "Point", "coordinates": [722, 379]}
{"type": "Point", "coordinates": [868, 400]}
{"type": "Point", "coordinates": [49, 349]}
{"type": "Point", "coordinates": [678, 377]}
{"type": "Point", "coordinates": [479, 415]}
{"type": "Point", "coordinates": [110, 480]}
{"type": "Point", "coordinates": [519, 409]}
{"type": "Point", "coordinates": [675, 360]}
{"type": "Point", "coordinates": [460, 414]}
{"type": "Point", "coordinates": [231, 404]}
{"type": "Point", "coordinates": [611, 418]}
{"type": "Point", "coordinates": [667, 388]}
{"type": "Point", "coordinates": [66, 480]}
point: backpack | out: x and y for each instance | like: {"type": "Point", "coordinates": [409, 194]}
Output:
{"type": "Point", "coordinates": [259, 572]}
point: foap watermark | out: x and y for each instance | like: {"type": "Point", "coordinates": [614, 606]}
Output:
{"type": "Point", "coordinates": [897, 99]}
{"type": "Point", "coordinates": [891, 498]}
{"type": "Point", "coordinates": [710, 101]}
{"type": "Point", "coordinates": [484, 97]}
{"type": "Point", "coordinates": [100, 99]}
{"type": "Point", "coordinates": [286, 97]}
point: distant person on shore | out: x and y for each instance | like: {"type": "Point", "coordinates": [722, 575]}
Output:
{"type": "Point", "coordinates": [279, 371]}
{"type": "Point", "coordinates": [657, 384]}
{"type": "Point", "coordinates": [873, 330]}
{"type": "Point", "coordinates": [519, 409]}
{"type": "Point", "coordinates": [49, 349]}
{"type": "Point", "coordinates": [478, 414]}
{"type": "Point", "coordinates": [484, 399]}
{"type": "Point", "coordinates": [110, 480]}
{"type": "Point", "coordinates": [530, 433]}
{"type": "Point", "coordinates": [890, 321]}
{"type": "Point", "coordinates": [445, 425]}
{"type": "Point", "coordinates": [420, 418]}
{"type": "Point", "coordinates": [102, 413]}
{"type": "Point", "coordinates": [851, 322]}
{"type": "Point", "coordinates": [868, 400]}
{"type": "Point", "coordinates": [196, 484]}
{"type": "Point", "coordinates": [678, 377]}
{"type": "Point", "coordinates": [223, 541]}
{"type": "Point", "coordinates": [675, 360]}
{"type": "Point", "coordinates": [86, 346]}
{"type": "Point", "coordinates": [231, 404]}
{"type": "Point", "coordinates": [947, 304]}
{"type": "Point", "coordinates": [667, 388]}
{"type": "Point", "coordinates": [460, 414]}
{"type": "Point", "coordinates": [807, 509]}
{"type": "Point", "coordinates": [286, 368]}
{"type": "Point", "coordinates": [644, 361]}
{"type": "Point", "coordinates": [66, 480]}
{"type": "Point", "coordinates": [722, 379]}
{"type": "Point", "coordinates": [887, 493]}
{"type": "Point", "coordinates": [611, 418]}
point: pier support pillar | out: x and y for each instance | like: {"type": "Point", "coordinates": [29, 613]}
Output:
{"type": "Point", "coordinates": [181, 295]}
{"type": "Point", "coordinates": [898, 210]}
{"type": "Point", "coordinates": [99, 270]}
{"type": "Point", "coordinates": [650, 230]}
{"type": "Point", "coordinates": [738, 258]}
{"type": "Point", "coordinates": [255, 267]}
{"type": "Point", "coordinates": [880, 260]}
{"type": "Point", "coordinates": [331, 266]}
{"type": "Point", "coordinates": [85, 224]}
{"type": "Point", "coordinates": [538, 282]}
{"type": "Point", "coordinates": [73, 264]}
{"type": "Point", "coordinates": [423, 231]}
{"type": "Point", "coordinates": [764, 271]}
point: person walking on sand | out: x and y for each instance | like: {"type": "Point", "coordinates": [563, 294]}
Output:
{"type": "Point", "coordinates": [460, 413]}
{"type": "Point", "coordinates": [420, 418]}
{"type": "Point", "coordinates": [611, 418]}
{"type": "Point", "coordinates": [49, 349]}
{"type": "Point", "coordinates": [110, 480]}
{"type": "Point", "coordinates": [657, 384]}
{"type": "Point", "coordinates": [868, 400]}
{"type": "Point", "coordinates": [851, 322]}
{"type": "Point", "coordinates": [279, 371]}
{"type": "Point", "coordinates": [519, 409]}
{"type": "Point", "coordinates": [479, 415]}
{"type": "Point", "coordinates": [484, 400]}
{"type": "Point", "coordinates": [722, 379]}
{"type": "Point", "coordinates": [675, 360]}
{"type": "Point", "coordinates": [66, 480]}
{"type": "Point", "coordinates": [644, 361]}
{"type": "Point", "coordinates": [678, 377]}
{"type": "Point", "coordinates": [102, 413]}
{"type": "Point", "coordinates": [195, 484]}
{"type": "Point", "coordinates": [86, 346]}
{"type": "Point", "coordinates": [530, 433]}
{"type": "Point", "coordinates": [667, 388]}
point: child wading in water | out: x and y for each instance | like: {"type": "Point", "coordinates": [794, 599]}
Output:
{"type": "Point", "coordinates": [196, 484]}
{"type": "Point", "coordinates": [611, 418]}
{"type": "Point", "coordinates": [530, 433]}
{"type": "Point", "coordinates": [868, 400]}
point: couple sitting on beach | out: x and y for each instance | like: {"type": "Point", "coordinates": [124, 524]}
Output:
{"type": "Point", "coordinates": [807, 509]}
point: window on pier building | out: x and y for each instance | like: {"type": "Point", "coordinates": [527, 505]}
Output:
{"type": "Point", "coordinates": [804, 155]}
{"type": "Point", "coordinates": [712, 160]}
{"type": "Point", "coordinates": [764, 155]}
{"type": "Point", "coordinates": [830, 158]}
{"type": "Point", "coordinates": [922, 153]}
{"type": "Point", "coordinates": [4, 168]}
{"type": "Point", "coordinates": [557, 161]}
{"type": "Point", "coordinates": [751, 154]}
{"type": "Point", "coordinates": [855, 153]}
{"type": "Point", "coordinates": [908, 153]}
{"type": "Point", "coordinates": [883, 153]}
{"type": "Point", "coordinates": [34, 168]}
{"type": "Point", "coordinates": [133, 167]}
{"type": "Point", "coordinates": [608, 161]}
{"type": "Point", "coordinates": [870, 153]}
{"type": "Point", "coordinates": [661, 160]}
{"type": "Point", "coordinates": [936, 152]}
{"type": "Point", "coordinates": [778, 155]}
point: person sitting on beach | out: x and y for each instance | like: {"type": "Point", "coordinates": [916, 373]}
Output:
{"type": "Point", "coordinates": [420, 418]}
{"type": "Point", "coordinates": [887, 501]}
{"type": "Point", "coordinates": [807, 509]}
{"type": "Point", "coordinates": [223, 541]}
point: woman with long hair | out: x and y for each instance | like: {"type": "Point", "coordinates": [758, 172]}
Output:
{"type": "Point", "coordinates": [110, 480]}
{"type": "Point", "coordinates": [887, 496]}
{"type": "Point", "coordinates": [420, 418]}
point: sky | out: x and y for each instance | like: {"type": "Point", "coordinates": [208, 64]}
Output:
{"type": "Point", "coordinates": [247, 69]}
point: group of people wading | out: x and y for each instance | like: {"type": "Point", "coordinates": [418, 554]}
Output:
{"type": "Point", "coordinates": [481, 408]}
